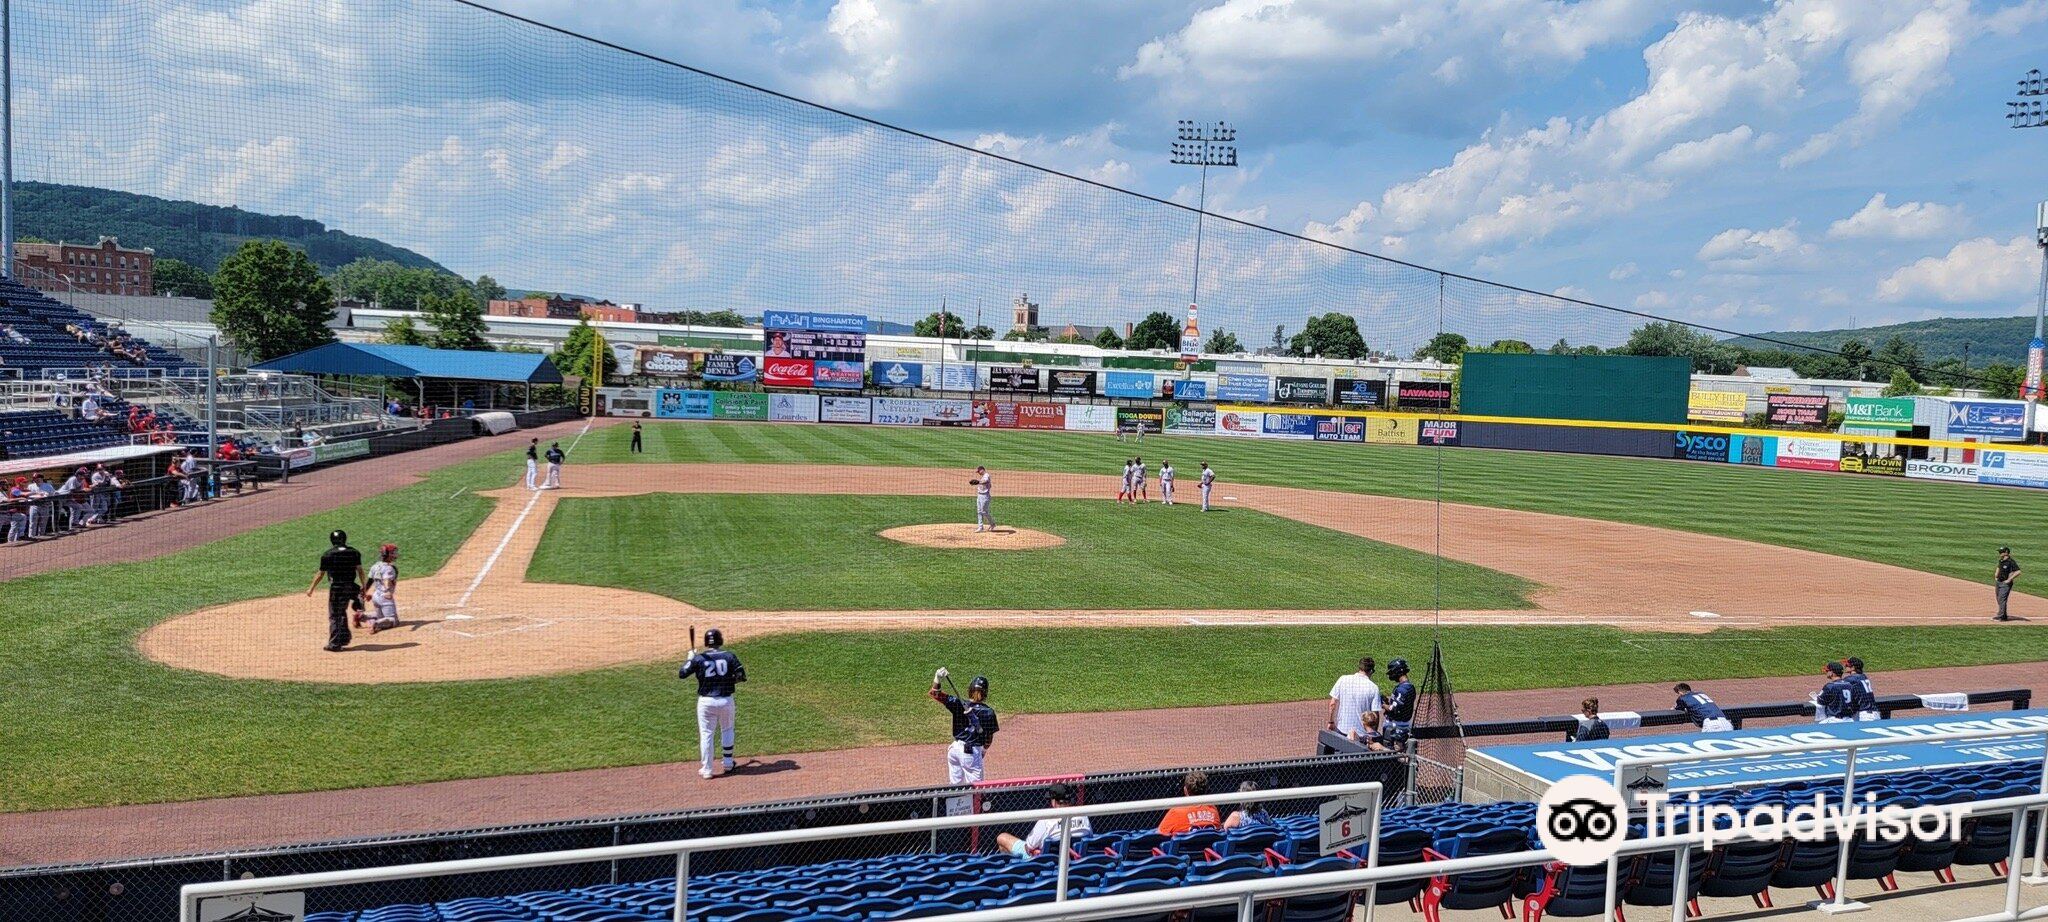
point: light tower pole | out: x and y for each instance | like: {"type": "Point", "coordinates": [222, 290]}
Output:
{"type": "Point", "coordinates": [1203, 146]}
{"type": "Point", "coordinates": [2030, 110]}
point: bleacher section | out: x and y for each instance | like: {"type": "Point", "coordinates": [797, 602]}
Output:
{"type": "Point", "coordinates": [41, 320]}
{"type": "Point", "coordinates": [908, 886]}
{"type": "Point", "coordinates": [38, 433]}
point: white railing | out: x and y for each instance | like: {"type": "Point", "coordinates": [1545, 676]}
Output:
{"type": "Point", "coordinates": [191, 895]}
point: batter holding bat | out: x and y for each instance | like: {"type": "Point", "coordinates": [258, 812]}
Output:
{"type": "Point", "coordinates": [982, 484]}
{"type": "Point", "coordinates": [718, 674]}
{"type": "Point", "coordinates": [974, 727]}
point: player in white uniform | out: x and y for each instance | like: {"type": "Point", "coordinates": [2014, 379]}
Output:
{"type": "Point", "coordinates": [1139, 492]}
{"type": "Point", "coordinates": [1208, 481]}
{"type": "Point", "coordinates": [1123, 494]}
{"type": "Point", "coordinates": [1166, 482]}
{"type": "Point", "coordinates": [982, 484]}
{"type": "Point", "coordinates": [381, 590]}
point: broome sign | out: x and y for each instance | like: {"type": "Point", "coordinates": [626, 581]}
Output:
{"type": "Point", "coordinates": [1879, 413]}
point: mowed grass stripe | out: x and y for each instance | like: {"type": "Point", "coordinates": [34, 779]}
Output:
{"type": "Point", "coordinates": [810, 553]}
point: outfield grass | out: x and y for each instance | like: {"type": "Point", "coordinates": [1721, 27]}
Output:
{"type": "Point", "coordinates": [768, 552]}
{"type": "Point", "coordinates": [1947, 528]}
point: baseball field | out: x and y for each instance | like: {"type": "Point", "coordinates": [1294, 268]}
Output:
{"type": "Point", "coordinates": [542, 630]}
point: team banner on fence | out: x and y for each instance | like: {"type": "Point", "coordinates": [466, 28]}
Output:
{"type": "Point", "coordinates": [793, 408]}
{"type": "Point", "coordinates": [1190, 419]}
{"type": "Point", "coordinates": [664, 363]}
{"type": "Point", "coordinates": [1361, 392]}
{"type": "Point", "coordinates": [1716, 406]}
{"type": "Point", "coordinates": [1071, 383]}
{"type": "Point", "coordinates": [1012, 378]}
{"type": "Point", "coordinates": [1288, 426]}
{"type": "Point", "coordinates": [906, 411]}
{"type": "Point", "coordinates": [2012, 469]}
{"type": "Point", "coordinates": [731, 366]}
{"type": "Point", "coordinates": [899, 374]}
{"type": "Point", "coordinates": [1989, 419]}
{"type": "Point", "coordinates": [1190, 389]}
{"type": "Point", "coordinates": [1244, 388]}
{"type": "Point", "coordinates": [676, 403]}
{"type": "Point", "coordinates": [1438, 432]}
{"type": "Point", "coordinates": [1301, 390]}
{"type": "Point", "coordinates": [1088, 417]}
{"type": "Point", "coordinates": [1340, 429]}
{"type": "Point", "coordinates": [1797, 409]}
{"type": "Point", "coordinates": [1393, 430]}
{"type": "Point", "coordinates": [957, 378]}
{"type": "Point", "coordinates": [835, 409]}
{"type": "Point", "coordinates": [1809, 454]}
{"type": "Point", "coordinates": [1140, 419]}
{"type": "Point", "coordinates": [1232, 422]}
{"type": "Point", "coordinates": [1879, 413]}
{"type": "Point", "coordinates": [1759, 450]}
{"type": "Point", "coordinates": [1700, 446]}
{"type": "Point", "coordinates": [1424, 395]}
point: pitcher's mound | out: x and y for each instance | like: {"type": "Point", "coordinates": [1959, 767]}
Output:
{"type": "Point", "coordinates": [1001, 538]}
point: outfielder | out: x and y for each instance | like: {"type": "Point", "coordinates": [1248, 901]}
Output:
{"type": "Point", "coordinates": [1208, 482]}
{"type": "Point", "coordinates": [532, 464]}
{"type": "Point", "coordinates": [982, 484]}
{"type": "Point", "coordinates": [382, 591]}
{"type": "Point", "coordinates": [1166, 482]}
{"type": "Point", "coordinates": [974, 728]}
{"type": "Point", "coordinates": [1138, 480]}
{"type": "Point", "coordinates": [718, 675]}
{"type": "Point", "coordinates": [1124, 493]}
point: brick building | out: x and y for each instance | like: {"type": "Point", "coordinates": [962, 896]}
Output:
{"type": "Point", "coordinates": [565, 309]}
{"type": "Point", "coordinates": [607, 312]}
{"type": "Point", "coordinates": [104, 268]}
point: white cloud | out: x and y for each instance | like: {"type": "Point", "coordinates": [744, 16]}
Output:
{"type": "Point", "coordinates": [1710, 151]}
{"type": "Point", "coordinates": [1742, 249]}
{"type": "Point", "coordinates": [1653, 300]}
{"type": "Point", "coordinates": [1973, 271]}
{"type": "Point", "coordinates": [1907, 221]}
{"type": "Point", "coordinates": [1623, 272]}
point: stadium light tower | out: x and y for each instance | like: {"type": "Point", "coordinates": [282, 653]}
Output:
{"type": "Point", "coordinates": [2030, 110]}
{"type": "Point", "coordinates": [1204, 146]}
{"type": "Point", "coordinates": [6, 139]}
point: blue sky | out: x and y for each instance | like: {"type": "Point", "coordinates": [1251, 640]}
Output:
{"type": "Point", "coordinates": [1800, 164]}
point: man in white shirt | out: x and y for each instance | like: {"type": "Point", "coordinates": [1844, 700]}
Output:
{"type": "Point", "coordinates": [1046, 833]}
{"type": "Point", "coordinates": [1352, 697]}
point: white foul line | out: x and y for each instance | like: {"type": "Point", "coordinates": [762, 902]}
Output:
{"type": "Point", "coordinates": [492, 560]}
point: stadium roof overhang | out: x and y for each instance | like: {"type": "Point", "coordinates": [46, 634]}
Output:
{"type": "Point", "coordinates": [369, 359]}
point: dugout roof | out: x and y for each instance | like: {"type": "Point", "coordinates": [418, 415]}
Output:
{"type": "Point", "coordinates": [372, 359]}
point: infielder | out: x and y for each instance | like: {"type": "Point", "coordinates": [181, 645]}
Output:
{"type": "Point", "coordinates": [382, 591]}
{"type": "Point", "coordinates": [1124, 493]}
{"type": "Point", "coordinates": [718, 675]}
{"type": "Point", "coordinates": [1166, 482]}
{"type": "Point", "coordinates": [974, 728]}
{"type": "Point", "coordinates": [532, 464]}
{"type": "Point", "coordinates": [1208, 483]}
{"type": "Point", "coordinates": [982, 484]}
{"type": "Point", "coordinates": [555, 457]}
{"type": "Point", "coordinates": [1138, 481]}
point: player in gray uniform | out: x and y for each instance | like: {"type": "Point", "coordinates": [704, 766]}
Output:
{"type": "Point", "coordinates": [982, 484]}
{"type": "Point", "coordinates": [1138, 480]}
{"type": "Point", "coordinates": [1166, 482]}
{"type": "Point", "coordinates": [1125, 493]}
{"type": "Point", "coordinates": [1208, 482]}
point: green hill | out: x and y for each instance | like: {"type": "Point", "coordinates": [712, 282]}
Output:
{"type": "Point", "coordinates": [1989, 338]}
{"type": "Point", "coordinates": [202, 235]}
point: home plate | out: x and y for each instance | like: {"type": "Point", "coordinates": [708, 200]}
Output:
{"type": "Point", "coordinates": [1705, 614]}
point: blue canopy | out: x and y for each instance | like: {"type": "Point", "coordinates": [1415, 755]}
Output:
{"type": "Point", "coordinates": [417, 362]}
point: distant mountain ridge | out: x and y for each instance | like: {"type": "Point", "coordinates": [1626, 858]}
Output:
{"type": "Point", "coordinates": [1989, 338]}
{"type": "Point", "coordinates": [202, 235]}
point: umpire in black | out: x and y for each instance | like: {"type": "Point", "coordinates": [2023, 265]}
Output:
{"type": "Point", "coordinates": [342, 568]}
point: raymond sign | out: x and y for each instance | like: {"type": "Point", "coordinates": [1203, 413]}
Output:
{"type": "Point", "coordinates": [1424, 395]}
{"type": "Point", "coordinates": [1797, 409]}
{"type": "Point", "coordinates": [1716, 406]}
{"type": "Point", "coordinates": [1879, 413]}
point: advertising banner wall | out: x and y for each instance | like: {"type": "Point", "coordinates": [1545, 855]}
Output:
{"type": "Point", "coordinates": [1012, 378]}
{"type": "Point", "coordinates": [627, 401]}
{"type": "Point", "coordinates": [335, 451]}
{"type": "Point", "coordinates": [1129, 384]}
{"type": "Point", "coordinates": [1989, 419]}
{"type": "Point", "coordinates": [899, 374]}
{"type": "Point", "coordinates": [957, 377]}
{"type": "Point", "coordinates": [1071, 383]}
{"type": "Point", "coordinates": [812, 344]}
{"type": "Point", "coordinates": [1140, 419]}
{"type": "Point", "coordinates": [1090, 418]}
{"type": "Point", "coordinates": [1230, 422]}
{"type": "Point", "coordinates": [1759, 450]}
{"type": "Point", "coordinates": [840, 375]}
{"type": "Point", "coordinates": [1190, 389]}
{"type": "Point", "coordinates": [675, 403]}
{"type": "Point", "coordinates": [1361, 392]}
{"type": "Point", "coordinates": [1716, 406]}
{"type": "Point", "coordinates": [1942, 470]}
{"type": "Point", "coordinates": [731, 366]}
{"type": "Point", "coordinates": [793, 408]}
{"type": "Point", "coordinates": [905, 411]}
{"type": "Point", "coordinates": [1810, 454]}
{"type": "Point", "coordinates": [1393, 430]}
{"type": "Point", "coordinates": [1797, 409]}
{"type": "Point", "coordinates": [1301, 390]}
{"type": "Point", "coordinates": [1700, 446]}
{"type": "Point", "coordinates": [880, 352]}
{"type": "Point", "coordinates": [782, 372]}
{"type": "Point", "coordinates": [1438, 432]}
{"type": "Point", "coordinates": [1003, 415]}
{"type": "Point", "coordinates": [1424, 395]}
{"type": "Point", "coordinates": [1244, 388]}
{"type": "Point", "coordinates": [1888, 465]}
{"type": "Point", "coordinates": [1190, 419]}
{"type": "Point", "coordinates": [1340, 429]}
{"type": "Point", "coordinates": [2012, 469]}
{"type": "Point", "coordinates": [1879, 413]}
{"type": "Point", "coordinates": [732, 405]}
{"type": "Point", "coordinates": [833, 409]}
{"type": "Point", "coordinates": [664, 363]}
{"type": "Point", "coordinates": [1288, 426]}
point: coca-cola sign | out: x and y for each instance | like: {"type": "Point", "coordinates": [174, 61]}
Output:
{"type": "Point", "coordinates": [782, 372]}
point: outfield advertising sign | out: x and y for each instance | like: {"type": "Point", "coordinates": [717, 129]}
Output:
{"type": "Point", "coordinates": [1012, 378]}
{"type": "Point", "coordinates": [664, 363]}
{"type": "Point", "coordinates": [1301, 390]}
{"type": "Point", "coordinates": [2012, 469]}
{"type": "Point", "coordinates": [1129, 384]}
{"type": "Point", "coordinates": [1438, 432]}
{"type": "Point", "coordinates": [1084, 417]}
{"type": "Point", "coordinates": [1140, 419]}
{"type": "Point", "coordinates": [1988, 419]}
{"type": "Point", "coordinates": [833, 409]}
{"type": "Point", "coordinates": [1244, 388]}
{"type": "Point", "coordinates": [1809, 454]}
{"type": "Point", "coordinates": [1879, 413]}
{"type": "Point", "coordinates": [899, 374]}
{"type": "Point", "coordinates": [731, 366]}
{"type": "Point", "coordinates": [626, 401]}
{"type": "Point", "coordinates": [1393, 430]}
{"type": "Point", "coordinates": [1424, 395]}
{"type": "Point", "coordinates": [1759, 450]}
{"type": "Point", "coordinates": [956, 378]}
{"type": "Point", "coordinates": [1190, 419]}
{"type": "Point", "coordinates": [734, 405]}
{"type": "Point", "coordinates": [1190, 389]}
{"type": "Point", "coordinates": [1887, 465]}
{"type": "Point", "coordinates": [812, 344]}
{"type": "Point", "coordinates": [838, 375]}
{"type": "Point", "coordinates": [676, 403]}
{"type": "Point", "coordinates": [1700, 446]}
{"type": "Point", "coordinates": [1942, 470]}
{"type": "Point", "coordinates": [793, 408]}
{"type": "Point", "coordinates": [1232, 422]}
{"type": "Point", "coordinates": [812, 320]}
{"type": "Point", "coordinates": [786, 372]}
{"type": "Point", "coordinates": [335, 451]}
{"type": "Point", "coordinates": [1797, 409]}
{"type": "Point", "coordinates": [1339, 429]}
{"type": "Point", "coordinates": [1071, 383]}
{"type": "Point", "coordinates": [904, 411]}
{"type": "Point", "coordinates": [1361, 392]}
{"type": "Point", "coordinates": [1716, 406]}
{"type": "Point", "coordinates": [1288, 426]}
{"type": "Point", "coordinates": [1004, 415]}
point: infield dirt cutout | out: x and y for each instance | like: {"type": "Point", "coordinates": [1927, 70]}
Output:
{"type": "Point", "coordinates": [479, 618]}
{"type": "Point", "coordinates": [955, 536]}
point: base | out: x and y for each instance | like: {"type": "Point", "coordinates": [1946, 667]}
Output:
{"type": "Point", "coordinates": [1833, 908]}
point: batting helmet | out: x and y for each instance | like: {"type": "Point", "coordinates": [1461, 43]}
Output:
{"type": "Point", "coordinates": [1397, 668]}
{"type": "Point", "coordinates": [979, 684]}
{"type": "Point", "coordinates": [714, 637]}
{"type": "Point", "coordinates": [337, 537]}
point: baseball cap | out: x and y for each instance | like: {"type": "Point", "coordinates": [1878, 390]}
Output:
{"type": "Point", "coordinates": [1063, 792]}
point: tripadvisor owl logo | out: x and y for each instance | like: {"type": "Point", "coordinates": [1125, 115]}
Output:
{"type": "Point", "coordinates": [1582, 820]}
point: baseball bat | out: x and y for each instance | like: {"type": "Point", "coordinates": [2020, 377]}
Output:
{"type": "Point", "coordinates": [949, 684]}
{"type": "Point", "coordinates": [693, 637]}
